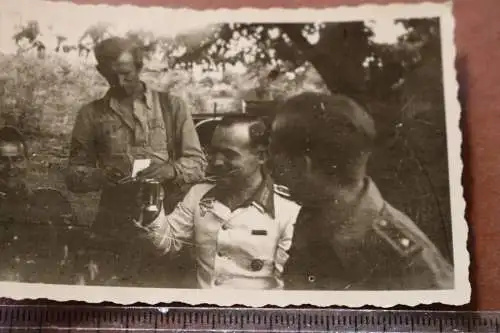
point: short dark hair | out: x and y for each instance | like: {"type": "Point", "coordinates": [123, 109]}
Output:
{"type": "Point", "coordinates": [11, 134]}
{"type": "Point", "coordinates": [258, 129]}
{"type": "Point", "coordinates": [332, 129]}
{"type": "Point", "coordinates": [110, 49]}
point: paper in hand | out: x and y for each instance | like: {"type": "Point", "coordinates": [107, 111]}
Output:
{"type": "Point", "coordinates": [140, 165]}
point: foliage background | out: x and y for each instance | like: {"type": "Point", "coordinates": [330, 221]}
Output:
{"type": "Point", "coordinates": [41, 90]}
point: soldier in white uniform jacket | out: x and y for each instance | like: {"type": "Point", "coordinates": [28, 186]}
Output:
{"type": "Point", "coordinates": [240, 226]}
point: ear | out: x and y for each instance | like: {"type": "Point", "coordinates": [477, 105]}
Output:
{"type": "Point", "coordinates": [300, 165]}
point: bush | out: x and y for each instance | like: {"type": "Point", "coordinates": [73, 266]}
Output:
{"type": "Point", "coordinates": [42, 95]}
{"type": "Point", "coordinates": [196, 94]}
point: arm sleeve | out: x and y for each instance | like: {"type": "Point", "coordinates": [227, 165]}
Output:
{"type": "Point", "coordinates": [284, 244]}
{"type": "Point", "coordinates": [170, 232]}
{"type": "Point", "coordinates": [430, 270]}
{"type": "Point", "coordinates": [82, 172]}
{"type": "Point", "coordinates": [189, 161]}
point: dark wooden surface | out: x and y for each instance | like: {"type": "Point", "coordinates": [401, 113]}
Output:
{"type": "Point", "coordinates": [478, 43]}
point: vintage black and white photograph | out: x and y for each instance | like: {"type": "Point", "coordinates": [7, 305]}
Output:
{"type": "Point", "coordinates": [226, 157]}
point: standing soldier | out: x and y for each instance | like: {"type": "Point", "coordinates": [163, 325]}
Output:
{"type": "Point", "coordinates": [39, 237]}
{"type": "Point", "coordinates": [347, 236]}
{"type": "Point", "coordinates": [130, 122]}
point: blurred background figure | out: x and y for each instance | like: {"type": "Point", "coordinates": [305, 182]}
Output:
{"type": "Point", "coordinates": [40, 240]}
{"type": "Point", "coordinates": [347, 235]}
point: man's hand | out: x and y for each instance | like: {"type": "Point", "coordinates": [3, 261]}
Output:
{"type": "Point", "coordinates": [113, 176]}
{"type": "Point", "coordinates": [157, 171]}
{"type": "Point", "coordinates": [82, 179]}
{"type": "Point", "coordinates": [142, 217]}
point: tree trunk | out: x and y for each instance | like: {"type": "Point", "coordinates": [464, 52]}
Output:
{"type": "Point", "coordinates": [337, 56]}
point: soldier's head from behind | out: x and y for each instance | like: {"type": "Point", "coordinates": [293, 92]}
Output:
{"type": "Point", "coordinates": [238, 150]}
{"type": "Point", "coordinates": [120, 61]}
{"type": "Point", "coordinates": [320, 144]}
{"type": "Point", "coordinates": [13, 160]}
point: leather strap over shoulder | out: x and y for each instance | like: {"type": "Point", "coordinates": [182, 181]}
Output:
{"type": "Point", "coordinates": [169, 120]}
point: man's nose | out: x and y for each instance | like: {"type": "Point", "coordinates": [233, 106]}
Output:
{"type": "Point", "coordinates": [9, 163]}
{"type": "Point", "coordinates": [122, 79]}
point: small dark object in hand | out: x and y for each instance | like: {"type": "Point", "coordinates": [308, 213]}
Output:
{"type": "Point", "coordinates": [152, 200]}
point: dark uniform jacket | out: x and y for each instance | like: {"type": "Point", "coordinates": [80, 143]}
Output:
{"type": "Point", "coordinates": [40, 241]}
{"type": "Point", "coordinates": [372, 246]}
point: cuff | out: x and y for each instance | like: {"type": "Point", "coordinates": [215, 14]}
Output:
{"type": "Point", "coordinates": [150, 226]}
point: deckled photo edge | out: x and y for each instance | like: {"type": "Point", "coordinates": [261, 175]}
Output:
{"type": "Point", "coordinates": [459, 295]}
{"type": "Point", "coordinates": [455, 163]}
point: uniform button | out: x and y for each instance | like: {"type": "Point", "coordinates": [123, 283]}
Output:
{"type": "Point", "coordinates": [220, 280]}
{"type": "Point", "coordinates": [224, 227]}
{"type": "Point", "coordinates": [311, 278]}
{"type": "Point", "coordinates": [405, 242]}
{"type": "Point", "coordinates": [220, 254]}
{"type": "Point", "coordinates": [256, 265]}
{"type": "Point", "coordinates": [383, 223]}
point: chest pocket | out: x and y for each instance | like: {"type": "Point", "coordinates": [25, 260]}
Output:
{"type": "Point", "coordinates": [253, 236]}
{"type": "Point", "coordinates": [157, 134]}
{"type": "Point", "coordinates": [115, 136]}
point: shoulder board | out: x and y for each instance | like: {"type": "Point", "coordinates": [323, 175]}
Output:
{"type": "Point", "coordinates": [282, 191]}
{"type": "Point", "coordinates": [400, 238]}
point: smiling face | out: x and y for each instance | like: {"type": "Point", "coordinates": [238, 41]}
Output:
{"type": "Point", "coordinates": [13, 166]}
{"type": "Point", "coordinates": [233, 159]}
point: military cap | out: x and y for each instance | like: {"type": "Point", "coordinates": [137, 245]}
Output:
{"type": "Point", "coordinates": [328, 113]}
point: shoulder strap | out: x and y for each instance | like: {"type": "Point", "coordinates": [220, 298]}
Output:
{"type": "Point", "coordinates": [169, 120]}
{"type": "Point", "coordinates": [395, 234]}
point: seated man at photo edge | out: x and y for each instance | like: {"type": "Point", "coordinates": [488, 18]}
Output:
{"type": "Point", "coordinates": [40, 241]}
{"type": "Point", "coordinates": [347, 237]}
{"type": "Point", "coordinates": [240, 225]}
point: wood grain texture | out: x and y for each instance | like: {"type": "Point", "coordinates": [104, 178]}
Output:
{"type": "Point", "coordinates": [478, 45]}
